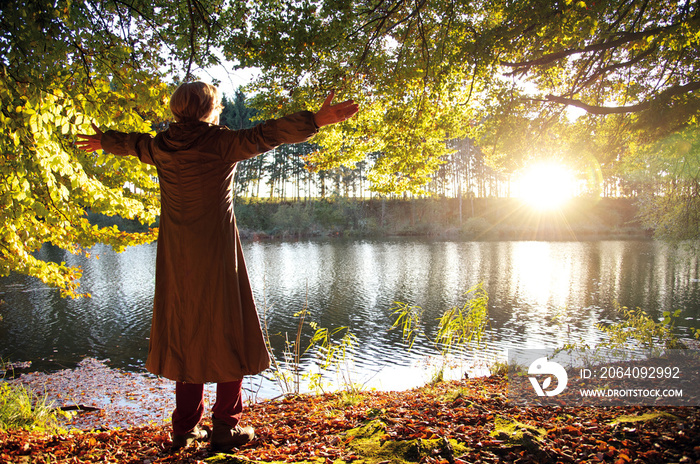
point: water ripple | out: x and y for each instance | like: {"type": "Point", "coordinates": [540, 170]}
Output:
{"type": "Point", "coordinates": [541, 294]}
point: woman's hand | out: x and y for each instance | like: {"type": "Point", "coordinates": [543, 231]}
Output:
{"type": "Point", "coordinates": [331, 114]}
{"type": "Point", "coordinates": [90, 143]}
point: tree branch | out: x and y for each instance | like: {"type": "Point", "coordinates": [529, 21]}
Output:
{"type": "Point", "coordinates": [522, 66]}
{"type": "Point", "coordinates": [601, 110]}
{"type": "Point", "coordinates": [384, 20]}
{"type": "Point", "coordinates": [155, 27]}
{"type": "Point", "coordinates": [604, 110]}
{"type": "Point", "coordinates": [605, 70]}
{"type": "Point", "coordinates": [193, 49]}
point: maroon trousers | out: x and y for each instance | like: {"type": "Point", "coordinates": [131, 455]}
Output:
{"type": "Point", "coordinates": [189, 405]}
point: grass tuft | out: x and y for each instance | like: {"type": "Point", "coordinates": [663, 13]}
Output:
{"type": "Point", "coordinates": [22, 408]}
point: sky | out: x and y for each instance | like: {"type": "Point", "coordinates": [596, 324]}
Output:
{"type": "Point", "coordinates": [230, 79]}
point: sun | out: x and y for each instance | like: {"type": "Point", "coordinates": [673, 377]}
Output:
{"type": "Point", "coordinates": [546, 186]}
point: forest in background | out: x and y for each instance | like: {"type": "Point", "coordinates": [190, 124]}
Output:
{"type": "Point", "coordinates": [288, 172]}
{"type": "Point", "coordinates": [279, 195]}
{"type": "Point", "coordinates": [470, 219]}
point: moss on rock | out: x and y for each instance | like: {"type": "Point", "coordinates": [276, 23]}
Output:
{"type": "Point", "coordinates": [223, 458]}
{"type": "Point", "coordinates": [371, 444]}
{"type": "Point", "coordinates": [643, 417]}
{"type": "Point", "coordinates": [515, 433]}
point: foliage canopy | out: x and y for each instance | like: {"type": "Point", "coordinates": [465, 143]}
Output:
{"type": "Point", "coordinates": [501, 72]}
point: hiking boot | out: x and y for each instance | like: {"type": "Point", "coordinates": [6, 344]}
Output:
{"type": "Point", "coordinates": [224, 437]}
{"type": "Point", "coordinates": [183, 441]}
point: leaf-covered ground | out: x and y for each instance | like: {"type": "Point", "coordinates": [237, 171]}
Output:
{"type": "Point", "coordinates": [106, 398]}
{"type": "Point", "coordinates": [468, 421]}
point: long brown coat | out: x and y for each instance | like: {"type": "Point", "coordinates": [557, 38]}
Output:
{"type": "Point", "coordinates": [205, 325]}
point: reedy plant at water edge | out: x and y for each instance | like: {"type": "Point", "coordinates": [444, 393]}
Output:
{"type": "Point", "coordinates": [638, 328]}
{"type": "Point", "coordinates": [331, 355]}
{"type": "Point", "coordinates": [460, 329]}
{"type": "Point", "coordinates": [464, 328]}
{"type": "Point", "coordinates": [636, 331]}
{"type": "Point", "coordinates": [285, 372]}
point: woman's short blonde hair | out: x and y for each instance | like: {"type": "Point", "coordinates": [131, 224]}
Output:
{"type": "Point", "coordinates": [195, 101]}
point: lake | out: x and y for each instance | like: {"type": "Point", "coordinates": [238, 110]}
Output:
{"type": "Point", "coordinates": [541, 295]}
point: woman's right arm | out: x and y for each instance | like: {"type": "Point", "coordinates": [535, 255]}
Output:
{"type": "Point", "coordinates": [118, 143]}
{"type": "Point", "coordinates": [90, 143]}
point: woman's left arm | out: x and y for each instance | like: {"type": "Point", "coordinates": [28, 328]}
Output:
{"type": "Point", "coordinates": [293, 128]}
